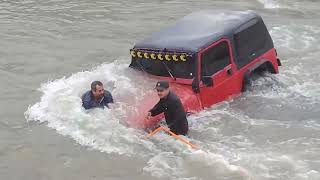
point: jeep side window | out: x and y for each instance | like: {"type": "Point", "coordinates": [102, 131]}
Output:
{"type": "Point", "coordinates": [250, 41]}
{"type": "Point", "coordinates": [215, 59]}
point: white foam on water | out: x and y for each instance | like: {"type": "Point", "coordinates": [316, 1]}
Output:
{"type": "Point", "coordinates": [286, 86]}
{"type": "Point", "coordinates": [299, 73]}
{"type": "Point", "coordinates": [60, 107]}
{"type": "Point", "coordinates": [270, 4]}
{"type": "Point", "coordinates": [234, 137]}
{"type": "Point", "coordinates": [295, 5]}
{"type": "Point", "coordinates": [201, 164]}
{"type": "Point", "coordinates": [274, 166]}
{"type": "Point", "coordinates": [224, 128]}
{"type": "Point", "coordinates": [194, 165]}
{"type": "Point", "coordinates": [294, 37]}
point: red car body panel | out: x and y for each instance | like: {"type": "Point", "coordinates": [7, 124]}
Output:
{"type": "Point", "coordinates": [227, 82]}
{"type": "Point", "coordinates": [225, 86]}
{"type": "Point", "coordinates": [189, 99]}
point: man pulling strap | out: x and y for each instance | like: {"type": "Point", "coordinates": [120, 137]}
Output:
{"type": "Point", "coordinates": [172, 107]}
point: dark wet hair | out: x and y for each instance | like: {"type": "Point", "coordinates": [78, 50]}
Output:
{"type": "Point", "coordinates": [94, 85]}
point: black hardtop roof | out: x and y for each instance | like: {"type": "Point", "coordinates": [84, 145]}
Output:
{"type": "Point", "coordinates": [197, 30]}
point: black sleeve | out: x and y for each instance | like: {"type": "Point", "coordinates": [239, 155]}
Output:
{"type": "Point", "coordinates": [157, 109]}
{"type": "Point", "coordinates": [86, 103]}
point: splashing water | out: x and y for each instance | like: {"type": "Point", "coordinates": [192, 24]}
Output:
{"type": "Point", "coordinates": [270, 132]}
{"type": "Point", "coordinates": [270, 4]}
{"type": "Point", "coordinates": [60, 107]}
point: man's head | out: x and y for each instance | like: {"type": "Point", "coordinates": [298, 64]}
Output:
{"type": "Point", "coordinates": [162, 88]}
{"type": "Point", "coordinates": [97, 89]}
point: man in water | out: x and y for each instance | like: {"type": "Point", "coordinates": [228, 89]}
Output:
{"type": "Point", "coordinates": [96, 97]}
{"type": "Point", "coordinates": [171, 105]}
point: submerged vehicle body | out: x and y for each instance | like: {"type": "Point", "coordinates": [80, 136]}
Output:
{"type": "Point", "coordinates": [206, 56]}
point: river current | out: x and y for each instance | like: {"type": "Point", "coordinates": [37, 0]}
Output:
{"type": "Point", "coordinates": [51, 50]}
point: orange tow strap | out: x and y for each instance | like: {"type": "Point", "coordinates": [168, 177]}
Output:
{"type": "Point", "coordinates": [161, 128]}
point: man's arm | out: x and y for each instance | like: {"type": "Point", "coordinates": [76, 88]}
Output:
{"type": "Point", "coordinates": [86, 102]}
{"type": "Point", "coordinates": [108, 97]}
{"type": "Point", "coordinates": [157, 109]}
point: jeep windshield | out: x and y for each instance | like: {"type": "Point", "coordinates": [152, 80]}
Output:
{"type": "Point", "coordinates": [167, 67]}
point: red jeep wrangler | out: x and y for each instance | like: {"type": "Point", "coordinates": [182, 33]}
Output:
{"type": "Point", "coordinates": [206, 56]}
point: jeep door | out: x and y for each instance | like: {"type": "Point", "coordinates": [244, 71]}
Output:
{"type": "Point", "coordinates": [217, 73]}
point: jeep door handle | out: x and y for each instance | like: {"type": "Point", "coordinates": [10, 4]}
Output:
{"type": "Point", "coordinates": [229, 71]}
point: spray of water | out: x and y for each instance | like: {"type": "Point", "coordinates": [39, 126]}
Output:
{"type": "Point", "coordinates": [60, 107]}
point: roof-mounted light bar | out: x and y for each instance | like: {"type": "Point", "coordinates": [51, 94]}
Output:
{"type": "Point", "coordinates": [162, 56]}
